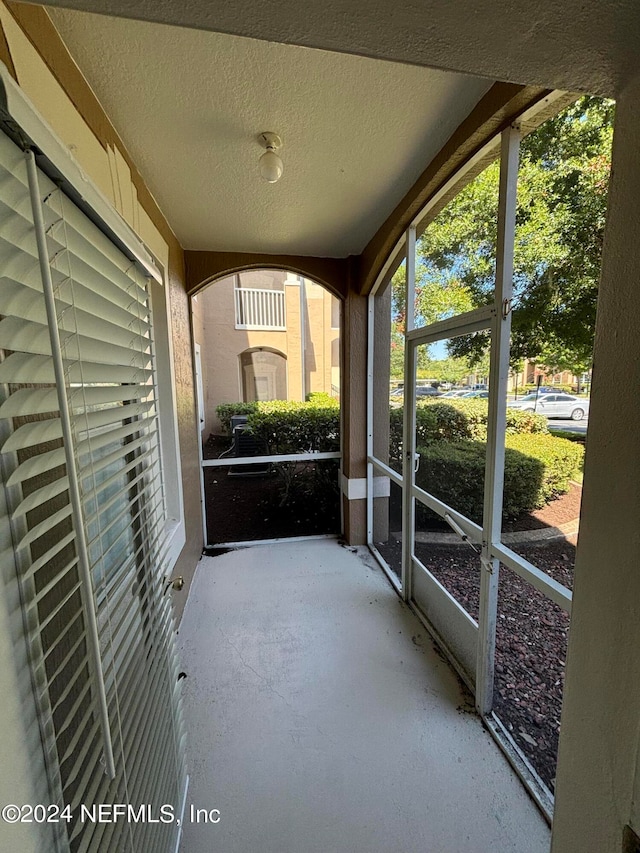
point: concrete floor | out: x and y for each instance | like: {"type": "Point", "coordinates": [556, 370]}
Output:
{"type": "Point", "coordinates": [321, 719]}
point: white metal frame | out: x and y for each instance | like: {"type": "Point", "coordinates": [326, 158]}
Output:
{"type": "Point", "coordinates": [496, 420]}
{"type": "Point", "coordinates": [496, 318]}
{"type": "Point", "coordinates": [229, 462]}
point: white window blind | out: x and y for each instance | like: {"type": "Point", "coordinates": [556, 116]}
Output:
{"type": "Point", "coordinates": [82, 470]}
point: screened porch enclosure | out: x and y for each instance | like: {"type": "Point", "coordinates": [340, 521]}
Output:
{"type": "Point", "coordinates": [443, 482]}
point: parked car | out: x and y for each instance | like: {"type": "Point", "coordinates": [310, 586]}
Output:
{"type": "Point", "coordinates": [421, 391]}
{"type": "Point", "coordinates": [397, 395]}
{"type": "Point", "coordinates": [459, 392]}
{"type": "Point", "coordinates": [553, 405]}
{"type": "Point", "coordinates": [468, 394]}
{"type": "Point", "coordinates": [545, 389]}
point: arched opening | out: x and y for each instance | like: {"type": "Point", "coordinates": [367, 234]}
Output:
{"type": "Point", "coordinates": [264, 375]}
{"type": "Point", "coordinates": [267, 348]}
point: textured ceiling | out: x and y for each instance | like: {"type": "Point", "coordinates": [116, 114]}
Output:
{"type": "Point", "coordinates": [587, 45]}
{"type": "Point", "coordinates": [189, 105]}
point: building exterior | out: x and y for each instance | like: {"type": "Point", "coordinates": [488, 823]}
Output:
{"type": "Point", "coordinates": [532, 372]}
{"type": "Point", "coordinates": [265, 335]}
{"type": "Point", "coordinates": [50, 109]}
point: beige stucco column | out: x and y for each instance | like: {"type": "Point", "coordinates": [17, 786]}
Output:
{"type": "Point", "coordinates": [354, 425]}
{"type": "Point", "coordinates": [381, 364]}
{"type": "Point", "coordinates": [598, 787]}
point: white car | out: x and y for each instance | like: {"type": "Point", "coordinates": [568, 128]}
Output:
{"type": "Point", "coordinates": [553, 405]}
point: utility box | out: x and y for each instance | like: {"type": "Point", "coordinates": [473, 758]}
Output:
{"type": "Point", "coordinates": [245, 444]}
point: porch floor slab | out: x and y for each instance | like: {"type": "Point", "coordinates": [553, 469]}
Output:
{"type": "Point", "coordinates": [321, 719]}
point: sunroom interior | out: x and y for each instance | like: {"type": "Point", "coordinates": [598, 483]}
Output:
{"type": "Point", "coordinates": [129, 183]}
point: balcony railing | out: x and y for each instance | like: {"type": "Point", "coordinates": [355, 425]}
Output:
{"type": "Point", "coordinates": [260, 309]}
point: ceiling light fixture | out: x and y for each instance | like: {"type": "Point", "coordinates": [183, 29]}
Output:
{"type": "Point", "coordinates": [271, 167]}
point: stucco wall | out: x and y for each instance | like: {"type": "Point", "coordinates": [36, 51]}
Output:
{"type": "Point", "coordinates": [598, 788]}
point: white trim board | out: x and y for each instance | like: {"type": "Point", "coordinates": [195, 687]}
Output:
{"type": "Point", "coordinates": [355, 489]}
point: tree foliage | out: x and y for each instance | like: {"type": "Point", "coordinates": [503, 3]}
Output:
{"type": "Point", "coordinates": [560, 216]}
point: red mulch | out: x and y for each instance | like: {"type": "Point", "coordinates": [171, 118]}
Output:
{"type": "Point", "coordinates": [561, 511]}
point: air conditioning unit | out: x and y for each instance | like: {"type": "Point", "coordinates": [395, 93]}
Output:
{"type": "Point", "coordinates": [245, 444]}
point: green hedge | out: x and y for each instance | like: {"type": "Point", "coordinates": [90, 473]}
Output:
{"type": "Point", "coordinates": [457, 420]}
{"type": "Point", "coordinates": [538, 467]}
{"type": "Point", "coordinates": [290, 427]}
{"type": "Point", "coordinates": [321, 398]}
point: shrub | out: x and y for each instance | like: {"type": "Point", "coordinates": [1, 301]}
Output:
{"type": "Point", "coordinates": [434, 422]}
{"type": "Point", "coordinates": [321, 398]}
{"type": "Point", "coordinates": [307, 425]}
{"type": "Point", "coordinates": [537, 469]}
{"type": "Point", "coordinates": [454, 473]}
{"type": "Point", "coordinates": [457, 420]}
{"type": "Point", "coordinates": [477, 411]}
{"type": "Point", "coordinates": [561, 459]}
{"type": "Point", "coordinates": [525, 423]}
{"type": "Point", "coordinates": [291, 427]}
{"type": "Point", "coordinates": [287, 427]}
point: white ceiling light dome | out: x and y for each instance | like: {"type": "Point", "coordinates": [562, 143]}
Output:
{"type": "Point", "coordinates": [271, 166]}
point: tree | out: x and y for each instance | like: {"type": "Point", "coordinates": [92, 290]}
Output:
{"type": "Point", "coordinates": [562, 194]}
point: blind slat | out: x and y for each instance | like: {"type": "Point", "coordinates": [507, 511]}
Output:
{"type": "Point", "coordinates": [22, 368]}
{"type": "Point", "coordinates": [37, 401]}
{"type": "Point", "coordinates": [20, 301]}
{"type": "Point", "coordinates": [84, 240]}
{"type": "Point", "coordinates": [24, 335]}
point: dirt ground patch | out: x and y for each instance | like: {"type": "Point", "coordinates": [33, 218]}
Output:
{"type": "Point", "coordinates": [251, 506]}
